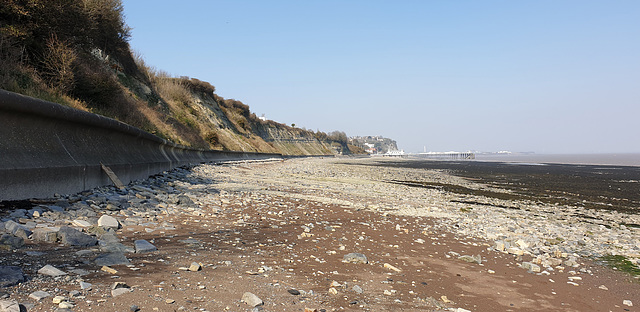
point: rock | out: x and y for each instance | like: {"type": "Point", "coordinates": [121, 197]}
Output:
{"type": "Point", "coordinates": [391, 267]}
{"type": "Point", "coordinates": [50, 270]}
{"type": "Point", "coordinates": [143, 246]}
{"type": "Point", "coordinates": [627, 303]}
{"type": "Point", "coordinates": [294, 292]}
{"type": "Point", "coordinates": [195, 266]}
{"type": "Point", "coordinates": [357, 289]}
{"type": "Point", "coordinates": [58, 299]}
{"type": "Point", "coordinates": [72, 237]}
{"type": "Point", "coordinates": [85, 286]}
{"type": "Point", "coordinates": [113, 258]}
{"type": "Point", "coordinates": [120, 291]}
{"type": "Point", "coordinates": [170, 301]}
{"type": "Point", "coordinates": [251, 299]}
{"type": "Point", "coordinates": [355, 257]}
{"type": "Point", "coordinates": [471, 259]}
{"type": "Point", "coordinates": [39, 295]}
{"type": "Point", "coordinates": [117, 285]}
{"type": "Point", "coordinates": [333, 291]}
{"type": "Point", "coordinates": [530, 267]}
{"type": "Point", "coordinates": [515, 251]}
{"type": "Point", "coordinates": [45, 234]}
{"type": "Point", "coordinates": [108, 222]}
{"type": "Point", "coordinates": [9, 242]}
{"type": "Point", "coordinates": [184, 200]}
{"type": "Point", "coordinates": [10, 306]}
{"type": "Point", "coordinates": [17, 229]}
{"type": "Point", "coordinates": [65, 305]}
{"type": "Point", "coordinates": [81, 223]}
{"type": "Point", "coordinates": [10, 275]}
{"type": "Point", "coordinates": [134, 308]}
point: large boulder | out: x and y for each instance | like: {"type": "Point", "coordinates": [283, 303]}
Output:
{"type": "Point", "coordinates": [10, 275]}
{"type": "Point", "coordinates": [72, 237]}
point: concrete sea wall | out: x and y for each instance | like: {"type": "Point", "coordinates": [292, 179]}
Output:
{"type": "Point", "coordinates": [47, 148]}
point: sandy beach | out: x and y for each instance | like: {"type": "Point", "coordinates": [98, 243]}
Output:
{"type": "Point", "coordinates": [315, 234]}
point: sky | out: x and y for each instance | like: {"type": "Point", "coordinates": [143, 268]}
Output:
{"type": "Point", "coordinates": [545, 76]}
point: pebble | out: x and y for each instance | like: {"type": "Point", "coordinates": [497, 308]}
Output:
{"type": "Point", "coordinates": [251, 299]}
{"type": "Point", "coordinates": [355, 257]}
{"type": "Point", "coordinates": [143, 246]}
{"type": "Point", "coordinates": [195, 266]}
{"type": "Point", "coordinates": [51, 271]}
{"type": "Point", "coordinates": [39, 295]}
{"type": "Point", "coordinates": [627, 303]}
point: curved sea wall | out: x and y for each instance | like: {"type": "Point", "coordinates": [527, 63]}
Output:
{"type": "Point", "coordinates": [47, 148]}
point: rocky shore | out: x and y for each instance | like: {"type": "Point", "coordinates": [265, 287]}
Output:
{"type": "Point", "coordinates": [311, 235]}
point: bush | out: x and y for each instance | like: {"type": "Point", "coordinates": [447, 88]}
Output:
{"type": "Point", "coordinates": [57, 64]}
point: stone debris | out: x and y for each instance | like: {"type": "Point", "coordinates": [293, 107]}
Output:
{"type": "Point", "coordinates": [108, 222]}
{"type": "Point", "coordinates": [355, 257]}
{"type": "Point", "coordinates": [391, 267]}
{"type": "Point", "coordinates": [628, 303]}
{"type": "Point", "coordinates": [251, 299]}
{"type": "Point", "coordinates": [143, 246]}
{"type": "Point", "coordinates": [39, 295]}
{"type": "Point", "coordinates": [51, 271]}
{"type": "Point", "coordinates": [10, 275]}
{"type": "Point", "coordinates": [10, 306]}
{"type": "Point", "coordinates": [195, 266]}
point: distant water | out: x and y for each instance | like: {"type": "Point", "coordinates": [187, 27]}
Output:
{"type": "Point", "coordinates": [630, 159]}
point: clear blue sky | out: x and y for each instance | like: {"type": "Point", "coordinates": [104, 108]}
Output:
{"type": "Point", "coordinates": [544, 76]}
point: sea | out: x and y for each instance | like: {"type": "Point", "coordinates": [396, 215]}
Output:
{"type": "Point", "coordinates": [619, 159]}
{"type": "Point", "coordinates": [597, 181]}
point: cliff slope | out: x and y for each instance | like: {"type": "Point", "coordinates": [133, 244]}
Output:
{"type": "Point", "coordinates": [76, 53]}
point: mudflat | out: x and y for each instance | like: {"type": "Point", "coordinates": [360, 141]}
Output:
{"type": "Point", "coordinates": [319, 234]}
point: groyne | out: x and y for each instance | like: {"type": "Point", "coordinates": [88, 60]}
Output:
{"type": "Point", "coordinates": [47, 148]}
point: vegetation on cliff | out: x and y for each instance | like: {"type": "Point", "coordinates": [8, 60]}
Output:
{"type": "Point", "coordinates": [76, 53]}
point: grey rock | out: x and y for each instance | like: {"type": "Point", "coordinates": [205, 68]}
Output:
{"type": "Point", "coordinates": [82, 223]}
{"type": "Point", "coordinates": [184, 200]}
{"type": "Point", "coordinates": [8, 241]}
{"type": "Point", "coordinates": [530, 266]}
{"type": "Point", "coordinates": [471, 259]}
{"type": "Point", "coordinates": [39, 295]}
{"type": "Point", "coordinates": [355, 257]}
{"type": "Point", "coordinates": [85, 286]}
{"type": "Point", "coordinates": [10, 306]}
{"type": "Point", "coordinates": [51, 271]}
{"type": "Point", "coordinates": [251, 299]}
{"type": "Point", "coordinates": [143, 246]}
{"type": "Point", "coordinates": [116, 248]}
{"type": "Point", "coordinates": [357, 289]}
{"type": "Point", "coordinates": [120, 291]}
{"type": "Point", "coordinates": [72, 237]}
{"type": "Point", "coordinates": [113, 258]}
{"type": "Point", "coordinates": [10, 275]}
{"type": "Point", "coordinates": [17, 229]}
{"type": "Point", "coordinates": [18, 213]}
{"type": "Point", "coordinates": [45, 235]}
{"type": "Point", "coordinates": [108, 222]}
{"type": "Point", "coordinates": [55, 208]}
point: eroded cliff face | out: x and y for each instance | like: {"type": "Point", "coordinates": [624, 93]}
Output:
{"type": "Point", "coordinates": [200, 118]}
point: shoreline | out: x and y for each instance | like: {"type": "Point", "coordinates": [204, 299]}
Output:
{"type": "Point", "coordinates": [271, 227]}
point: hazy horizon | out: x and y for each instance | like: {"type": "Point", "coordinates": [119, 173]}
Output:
{"type": "Point", "coordinates": [543, 76]}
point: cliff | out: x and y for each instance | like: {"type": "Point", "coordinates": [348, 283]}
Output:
{"type": "Point", "coordinates": [76, 53]}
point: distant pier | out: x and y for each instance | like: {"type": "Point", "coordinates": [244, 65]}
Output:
{"type": "Point", "coordinates": [446, 155]}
